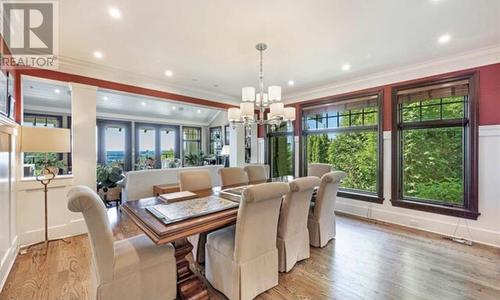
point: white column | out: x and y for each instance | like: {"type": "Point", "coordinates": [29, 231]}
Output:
{"type": "Point", "coordinates": [254, 152]}
{"type": "Point", "coordinates": [236, 145]}
{"type": "Point", "coordinates": [83, 119]}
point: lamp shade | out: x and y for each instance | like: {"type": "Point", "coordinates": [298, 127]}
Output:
{"type": "Point", "coordinates": [290, 113]}
{"type": "Point", "coordinates": [43, 139]}
{"type": "Point", "coordinates": [248, 94]}
{"type": "Point", "coordinates": [233, 114]}
{"type": "Point", "coordinates": [277, 109]}
{"type": "Point", "coordinates": [247, 110]}
{"type": "Point", "coordinates": [264, 98]}
{"type": "Point", "coordinates": [225, 150]}
{"type": "Point", "coordinates": [274, 93]}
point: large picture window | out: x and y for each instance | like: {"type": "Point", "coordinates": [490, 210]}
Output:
{"type": "Point", "coordinates": [191, 140]}
{"type": "Point", "coordinates": [434, 132]}
{"type": "Point", "coordinates": [346, 133]}
{"type": "Point", "coordinates": [114, 143]}
{"type": "Point", "coordinates": [156, 146]}
{"type": "Point", "coordinates": [281, 150]}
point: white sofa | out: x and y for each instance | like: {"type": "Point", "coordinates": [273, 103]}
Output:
{"type": "Point", "coordinates": [139, 184]}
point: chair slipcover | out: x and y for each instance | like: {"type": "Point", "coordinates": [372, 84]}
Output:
{"type": "Point", "coordinates": [293, 235]}
{"type": "Point", "coordinates": [129, 269]}
{"type": "Point", "coordinates": [242, 260]}
{"type": "Point", "coordinates": [318, 170]}
{"type": "Point", "coordinates": [321, 222]}
{"type": "Point", "coordinates": [233, 176]}
{"type": "Point", "coordinates": [194, 181]}
{"type": "Point", "coordinates": [257, 173]}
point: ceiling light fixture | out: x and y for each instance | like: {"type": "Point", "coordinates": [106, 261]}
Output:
{"type": "Point", "coordinates": [143, 103]}
{"type": "Point", "coordinates": [445, 38]}
{"type": "Point", "coordinates": [346, 67]}
{"type": "Point", "coordinates": [115, 13]}
{"type": "Point", "coordinates": [291, 83]}
{"type": "Point", "coordinates": [278, 113]}
{"type": "Point", "coordinates": [98, 54]}
{"type": "Point", "coordinates": [174, 108]}
{"type": "Point", "coordinates": [57, 91]}
{"type": "Point", "coordinates": [199, 111]}
{"type": "Point", "coordinates": [105, 98]}
{"type": "Point", "coordinates": [169, 73]}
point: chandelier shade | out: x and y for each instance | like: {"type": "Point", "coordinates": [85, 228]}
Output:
{"type": "Point", "coordinates": [260, 100]}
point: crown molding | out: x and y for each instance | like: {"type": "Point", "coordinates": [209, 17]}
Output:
{"type": "Point", "coordinates": [108, 73]}
{"type": "Point", "coordinates": [462, 61]}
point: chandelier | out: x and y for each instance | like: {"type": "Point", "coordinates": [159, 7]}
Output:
{"type": "Point", "coordinates": [277, 114]}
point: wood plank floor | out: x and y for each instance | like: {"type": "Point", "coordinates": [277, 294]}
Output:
{"type": "Point", "coordinates": [366, 261]}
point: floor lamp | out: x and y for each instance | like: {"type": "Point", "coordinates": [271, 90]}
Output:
{"type": "Point", "coordinates": [45, 140]}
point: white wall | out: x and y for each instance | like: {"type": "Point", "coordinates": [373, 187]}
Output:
{"type": "Point", "coordinates": [8, 231]}
{"type": "Point", "coordinates": [485, 230]}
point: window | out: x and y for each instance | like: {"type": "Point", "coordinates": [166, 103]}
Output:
{"type": "Point", "coordinates": [215, 140]}
{"type": "Point", "coordinates": [346, 133]}
{"type": "Point", "coordinates": [435, 147]}
{"type": "Point", "coordinates": [34, 162]}
{"type": "Point", "coordinates": [156, 146]}
{"type": "Point", "coordinates": [146, 144]}
{"type": "Point", "coordinates": [226, 135]}
{"type": "Point", "coordinates": [114, 143]}
{"type": "Point", "coordinates": [281, 150]}
{"type": "Point", "coordinates": [191, 140]}
{"type": "Point", "coordinates": [168, 145]}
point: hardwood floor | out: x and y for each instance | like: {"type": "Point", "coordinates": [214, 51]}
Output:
{"type": "Point", "coordinates": [366, 261]}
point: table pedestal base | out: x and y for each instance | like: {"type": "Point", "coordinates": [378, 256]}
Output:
{"type": "Point", "coordinates": [189, 286]}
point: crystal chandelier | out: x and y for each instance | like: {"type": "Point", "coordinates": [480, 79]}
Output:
{"type": "Point", "coordinates": [278, 113]}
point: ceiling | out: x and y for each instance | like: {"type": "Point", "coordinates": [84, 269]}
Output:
{"type": "Point", "coordinates": [51, 96]}
{"type": "Point", "coordinates": [210, 45]}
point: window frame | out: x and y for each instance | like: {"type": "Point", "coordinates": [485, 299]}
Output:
{"type": "Point", "coordinates": [185, 140]}
{"type": "Point", "coordinates": [102, 124]}
{"type": "Point", "coordinates": [378, 196]}
{"type": "Point", "coordinates": [157, 127]}
{"type": "Point", "coordinates": [271, 134]}
{"type": "Point", "coordinates": [226, 134]}
{"type": "Point", "coordinates": [212, 141]}
{"type": "Point", "coordinates": [470, 145]}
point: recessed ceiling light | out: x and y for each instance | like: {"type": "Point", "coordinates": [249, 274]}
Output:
{"type": "Point", "coordinates": [98, 54]}
{"type": "Point", "coordinates": [115, 13]}
{"type": "Point", "coordinates": [143, 103]}
{"type": "Point", "coordinates": [169, 73]}
{"type": "Point", "coordinates": [346, 67]}
{"type": "Point", "coordinates": [199, 111]}
{"type": "Point", "coordinates": [173, 107]}
{"type": "Point", "coordinates": [57, 91]}
{"type": "Point", "coordinates": [445, 38]}
{"type": "Point", "coordinates": [291, 83]}
{"type": "Point", "coordinates": [105, 98]}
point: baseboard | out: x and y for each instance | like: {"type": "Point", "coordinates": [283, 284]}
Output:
{"type": "Point", "coordinates": [443, 228]}
{"type": "Point", "coordinates": [74, 227]}
{"type": "Point", "coordinates": [7, 262]}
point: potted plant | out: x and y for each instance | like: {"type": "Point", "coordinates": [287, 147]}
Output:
{"type": "Point", "coordinates": [108, 178]}
{"type": "Point", "coordinates": [195, 159]}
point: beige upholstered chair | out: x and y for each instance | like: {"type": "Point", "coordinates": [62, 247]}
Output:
{"type": "Point", "coordinates": [257, 173]}
{"type": "Point", "coordinates": [233, 176]}
{"type": "Point", "coordinates": [195, 181]}
{"type": "Point", "coordinates": [129, 269]}
{"type": "Point", "coordinates": [293, 235]}
{"type": "Point", "coordinates": [318, 170]}
{"type": "Point", "coordinates": [242, 260]}
{"type": "Point", "coordinates": [321, 222]}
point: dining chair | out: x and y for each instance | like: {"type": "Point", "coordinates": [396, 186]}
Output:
{"type": "Point", "coordinates": [233, 176]}
{"type": "Point", "coordinates": [257, 173]}
{"type": "Point", "coordinates": [242, 260]}
{"type": "Point", "coordinates": [318, 170]}
{"type": "Point", "coordinates": [293, 235]}
{"type": "Point", "coordinates": [129, 269]}
{"type": "Point", "coordinates": [195, 181]}
{"type": "Point", "coordinates": [321, 221]}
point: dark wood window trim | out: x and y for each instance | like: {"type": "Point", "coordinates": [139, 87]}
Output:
{"type": "Point", "coordinates": [470, 209]}
{"type": "Point", "coordinates": [377, 197]}
{"type": "Point", "coordinates": [270, 134]}
{"type": "Point", "coordinates": [226, 134]}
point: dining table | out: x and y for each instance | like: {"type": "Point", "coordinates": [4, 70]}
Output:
{"type": "Point", "coordinates": [189, 285]}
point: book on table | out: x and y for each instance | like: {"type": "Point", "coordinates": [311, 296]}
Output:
{"type": "Point", "coordinates": [182, 210]}
{"type": "Point", "coordinates": [178, 196]}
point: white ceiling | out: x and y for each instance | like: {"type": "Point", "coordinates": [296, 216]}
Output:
{"type": "Point", "coordinates": [41, 95]}
{"type": "Point", "coordinates": [209, 45]}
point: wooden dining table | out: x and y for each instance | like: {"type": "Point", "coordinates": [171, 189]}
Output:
{"type": "Point", "coordinates": [189, 286]}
